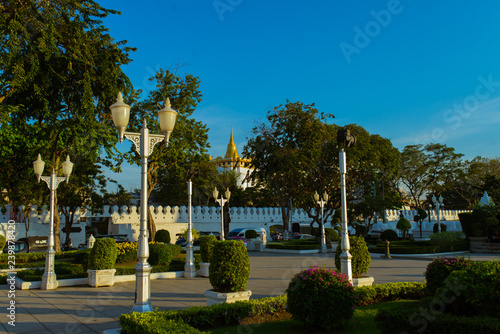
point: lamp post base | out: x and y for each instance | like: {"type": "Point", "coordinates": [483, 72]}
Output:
{"type": "Point", "coordinates": [49, 282]}
{"type": "Point", "coordinates": [49, 278]}
{"type": "Point", "coordinates": [324, 249]}
{"type": "Point", "coordinates": [346, 264]}
{"type": "Point", "coordinates": [142, 288]}
{"type": "Point", "coordinates": [189, 269]}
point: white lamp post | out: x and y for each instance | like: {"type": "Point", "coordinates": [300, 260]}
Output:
{"type": "Point", "coordinates": [322, 202]}
{"type": "Point", "coordinates": [438, 203]}
{"type": "Point", "coordinates": [144, 143]}
{"type": "Point", "coordinates": [49, 280]}
{"type": "Point", "coordinates": [222, 201]}
{"type": "Point", "coordinates": [189, 268]}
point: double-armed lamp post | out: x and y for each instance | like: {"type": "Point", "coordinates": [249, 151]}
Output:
{"type": "Point", "coordinates": [144, 143]}
{"type": "Point", "coordinates": [189, 267]}
{"type": "Point", "coordinates": [322, 202]}
{"type": "Point", "coordinates": [49, 280]}
{"type": "Point", "coordinates": [222, 201]}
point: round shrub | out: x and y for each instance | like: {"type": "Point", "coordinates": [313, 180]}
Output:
{"type": "Point", "coordinates": [404, 225]}
{"type": "Point", "coordinates": [321, 298]}
{"type": "Point", "coordinates": [250, 234]}
{"type": "Point", "coordinates": [439, 269]}
{"type": "Point", "coordinates": [390, 235]}
{"type": "Point", "coordinates": [331, 235]}
{"type": "Point", "coordinates": [229, 266]}
{"type": "Point", "coordinates": [159, 254]}
{"type": "Point", "coordinates": [360, 256]}
{"type": "Point", "coordinates": [162, 236]}
{"type": "Point", "coordinates": [206, 247]}
{"type": "Point", "coordinates": [103, 254]}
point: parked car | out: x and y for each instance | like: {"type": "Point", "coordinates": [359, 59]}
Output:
{"type": "Point", "coordinates": [374, 234]}
{"type": "Point", "coordinates": [240, 232]}
{"type": "Point", "coordinates": [29, 245]}
{"type": "Point", "coordinates": [183, 242]}
{"type": "Point", "coordinates": [243, 239]}
{"type": "Point", "coordinates": [302, 236]}
{"type": "Point", "coordinates": [118, 237]}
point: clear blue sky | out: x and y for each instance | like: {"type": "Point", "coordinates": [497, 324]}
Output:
{"type": "Point", "coordinates": [413, 71]}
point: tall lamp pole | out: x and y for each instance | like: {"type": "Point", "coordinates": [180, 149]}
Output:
{"type": "Point", "coordinates": [189, 268]}
{"type": "Point", "coordinates": [345, 140]}
{"type": "Point", "coordinates": [322, 202]}
{"type": "Point", "coordinates": [144, 143]}
{"type": "Point", "coordinates": [222, 201]}
{"type": "Point", "coordinates": [49, 280]}
{"type": "Point", "coordinates": [438, 203]}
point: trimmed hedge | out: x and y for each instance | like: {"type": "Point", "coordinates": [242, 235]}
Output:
{"type": "Point", "coordinates": [378, 293]}
{"type": "Point", "coordinates": [162, 236]}
{"type": "Point", "coordinates": [103, 254]}
{"type": "Point", "coordinates": [160, 254]}
{"type": "Point", "coordinates": [360, 256]}
{"type": "Point", "coordinates": [425, 317]}
{"type": "Point", "coordinates": [203, 317]}
{"type": "Point", "coordinates": [30, 257]}
{"type": "Point", "coordinates": [2, 242]}
{"type": "Point", "coordinates": [206, 247]}
{"type": "Point", "coordinates": [438, 271]}
{"type": "Point", "coordinates": [420, 247]}
{"type": "Point", "coordinates": [390, 235]}
{"type": "Point", "coordinates": [229, 266]}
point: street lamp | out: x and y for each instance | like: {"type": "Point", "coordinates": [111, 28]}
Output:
{"type": "Point", "coordinates": [345, 140]}
{"type": "Point", "coordinates": [222, 201]}
{"type": "Point", "coordinates": [144, 144]}
{"type": "Point", "coordinates": [438, 203]}
{"type": "Point", "coordinates": [49, 280]}
{"type": "Point", "coordinates": [189, 268]}
{"type": "Point", "coordinates": [322, 202]}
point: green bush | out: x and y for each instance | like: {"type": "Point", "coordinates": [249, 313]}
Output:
{"type": "Point", "coordinates": [157, 324]}
{"type": "Point", "coordinates": [478, 289]}
{"type": "Point", "coordinates": [175, 249]}
{"type": "Point", "coordinates": [162, 236]}
{"type": "Point", "coordinates": [159, 254]}
{"type": "Point", "coordinates": [103, 254]}
{"type": "Point", "coordinates": [298, 244]}
{"type": "Point", "coordinates": [360, 256]}
{"type": "Point", "coordinates": [438, 271]}
{"type": "Point", "coordinates": [446, 238]}
{"type": "Point", "coordinates": [206, 247]}
{"type": "Point", "coordinates": [378, 293]}
{"type": "Point", "coordinates": [321, 298]}
{"type": "Point", "coordinates": [331, 235]}
{"type": "Point", "coordinates": [2, 242]}
{"type": "Point", "coordinates": [390, 235]}
{"type": "Point", "coordinates": [250, 234]}
{"type": "Point", "coordinates": [206, 317]}
{"type": "Point", "coordinates": [403, 225]}
{"type": "Point", "coordinates": [435, 228]}
{"type": "Point", "coordinates": [425, 317]}
{"type": "Point", "coordinates": [82, 257]}
{"type": "Point", "coordinates": [466, 220]}
{"type": "Point", "coordinates": [229, 266]}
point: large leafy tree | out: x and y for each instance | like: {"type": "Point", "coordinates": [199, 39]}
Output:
{"type": "Point", "coordinates": [284, 151]}
{"type": "Point", "coordinates": [188, 142]}
{"type": "Point", "coordinates": [59, 72]}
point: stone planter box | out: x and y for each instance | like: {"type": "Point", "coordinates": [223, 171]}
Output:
{"type": "Point", "coordinates": [226, 297]}
{"type": "Point", "coordinates": [477, 243]}
{"type": "Point", "coordinates": [204, 267]}
{"type": "Point", "coordinates": [103, 277]}
{"type": "Point", "coordinates": [363, 281]}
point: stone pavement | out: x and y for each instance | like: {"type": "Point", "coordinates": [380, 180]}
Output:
{"type": "Point", "coordinates": [82, 309]}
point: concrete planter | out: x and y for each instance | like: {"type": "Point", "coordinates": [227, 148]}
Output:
{"type": "Point", "coordinates": [363, 281]}
{"type": "Point", "coordinates": [103, 277]}
{"type": "Point", "coordinates": [214, 297]}
{"type": "Point", "coordinates": [204, 267]}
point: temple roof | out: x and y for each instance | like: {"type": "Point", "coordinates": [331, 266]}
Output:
{"type": "Point", "coordinates": [231, 152]}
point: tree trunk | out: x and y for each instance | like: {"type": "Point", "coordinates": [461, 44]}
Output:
{"type": "Point", "coordinates": [151, 226]}
{"type": "Point", "coordinates": [227, 219]}
{"type": "Point", "coordinates": [285, 213]}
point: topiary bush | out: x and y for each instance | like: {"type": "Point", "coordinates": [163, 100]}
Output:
{"type": "Point", "coordinates": [229, 266]}
{"type": "Point", "coordinates": [321, 298]}
{"type": "Point", "coordinates": [403, 225]}
{"type": "Point", "coordinates": [162, 236]}
{"type": "Point", "coordinates": [159, 254]}
{"type": "Point", "coordinates": [331, 235]}
{"type": "Point", "coordinates": [390, 235]}
{"type": "Point", "coordinates": [206, 247]}
{"type": "Point", "coordinates": [439, 269]}
{"type": "Point", "coordinates": [250, 234]}
{"type": "Point", "coordinates": [435, 228]}
{"type": "Point", "coordinates": [82, 257]}
{"type": "Point", "coordinates": [103, 254]}
{"type": "Point", "coordinates": [360, 256]}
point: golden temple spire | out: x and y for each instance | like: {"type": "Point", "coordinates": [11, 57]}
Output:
{"type": "Point", "coordinates": [231, 152]}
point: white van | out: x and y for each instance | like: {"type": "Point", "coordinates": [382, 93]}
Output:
{"type": "Point", "coordinates": [240, 232]}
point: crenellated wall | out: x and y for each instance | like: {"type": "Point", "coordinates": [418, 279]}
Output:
{"type": "Point", "coordinates": [125, 220]}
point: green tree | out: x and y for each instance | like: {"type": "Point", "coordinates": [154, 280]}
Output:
{"type": "Point", "coordinates": [59, 71]}
{"type": "Point", "coordinates": [419, 218]}
{"type": "Point", "coordinates": [403, 225]}
{"type": "Point", "coordinates": [120, 197]}
{"type": "Point", "coordinates": [188, 142]}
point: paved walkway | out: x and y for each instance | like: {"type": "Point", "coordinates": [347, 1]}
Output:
{"type": "Point", "coordinates": [82, 309]}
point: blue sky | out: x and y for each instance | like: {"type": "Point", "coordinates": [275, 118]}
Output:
{"type": "Point", "coordinates": [413, 71]}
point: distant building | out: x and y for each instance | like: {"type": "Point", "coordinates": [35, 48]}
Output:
{"type": "Point", "coordinates": [233, 161]}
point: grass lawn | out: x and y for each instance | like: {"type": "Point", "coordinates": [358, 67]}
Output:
{"type": "Point", "coordinates": [363, 322]}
